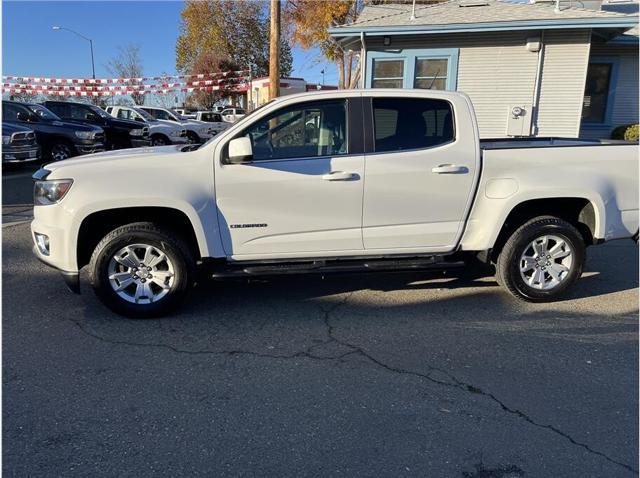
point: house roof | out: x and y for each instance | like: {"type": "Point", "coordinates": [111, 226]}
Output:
{"type": "Point", "coordinates": [476, 15]}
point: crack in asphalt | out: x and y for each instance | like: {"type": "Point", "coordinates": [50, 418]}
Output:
{"type": "Point", "coordinates": [453, 382]}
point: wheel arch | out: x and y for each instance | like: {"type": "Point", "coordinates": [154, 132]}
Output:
{"type": "Point", "coordinates": [581, 212]}
{"type": "Point", "coordinates": [98, 224]}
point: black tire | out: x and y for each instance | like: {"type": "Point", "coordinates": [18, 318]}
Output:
{"type": "Point", "coordinates": [60, 150]}
{"type": "Point", "coordinates": [508, 264]}
{"type": "Point", "coordinates": [159, 140]}
{"type": "Point", "coordinates": [193, 137]}
{"type": "Point", "coordinates": [175, 249]}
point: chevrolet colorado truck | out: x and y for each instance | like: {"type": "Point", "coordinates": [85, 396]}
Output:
{"type": "Point", "coordinates": [334, 181]}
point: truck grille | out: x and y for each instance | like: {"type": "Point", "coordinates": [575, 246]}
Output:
{"type": "Point", "coordinates": [23, 139]}
{"type": "Point", "coordinates": [99, 137]}
{"type": "Point", "coordinates": [145, 132]}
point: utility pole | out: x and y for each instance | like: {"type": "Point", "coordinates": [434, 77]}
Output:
{"type": "Point", "coordinates": [274, 51]}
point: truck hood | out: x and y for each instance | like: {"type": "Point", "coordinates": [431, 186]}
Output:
{"type": "Point", "coordinates": [114, 156]}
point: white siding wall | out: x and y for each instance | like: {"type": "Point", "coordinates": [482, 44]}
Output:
{"type": "Point", "coordinates": [625, 105]}
{"type": "Point", "coordinates": [564, 72]}
{"type": "Point", "coordinates": [496, 70]}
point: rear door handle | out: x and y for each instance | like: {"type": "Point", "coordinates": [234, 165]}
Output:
{"type": "Point", "coordinates": [450, 169]}
{"type": "Point", "coordinates": [340, 176]}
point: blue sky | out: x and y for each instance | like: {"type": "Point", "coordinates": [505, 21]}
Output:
{"type": "Point", "coordinates": [31, 48]}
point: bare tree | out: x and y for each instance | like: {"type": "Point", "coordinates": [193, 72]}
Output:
{"type": "Point", "coordinates": [127, 64]}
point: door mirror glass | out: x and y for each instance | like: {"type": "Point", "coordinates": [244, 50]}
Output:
{"type": "Point", "coordinates": [240, 150]}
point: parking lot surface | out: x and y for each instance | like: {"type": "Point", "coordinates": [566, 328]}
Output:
{"type": "Point", "coordinates": [407, 374]}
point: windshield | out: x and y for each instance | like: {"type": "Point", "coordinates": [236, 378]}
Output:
{"type": "Point", "coordinates": [144, 114]}
{"type": "Point", "coordinates": [99, 111]}
{"type": "Point", "coordinates": [43, 112]}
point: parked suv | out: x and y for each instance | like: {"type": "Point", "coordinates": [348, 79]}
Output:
{"type": "Point", "coordinates": [197, 131]}
{"type": "Point", "coordinates": [59, 139]}
{"type": "Point", "coordinates": [18, 144]}
{"type": "Point", "coordinates": [119, 133]}
{"type": "Point", "coordinates": [160, 132]}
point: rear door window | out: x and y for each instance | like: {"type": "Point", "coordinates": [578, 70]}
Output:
{"type": "Point", "coordinates": [403, 123]}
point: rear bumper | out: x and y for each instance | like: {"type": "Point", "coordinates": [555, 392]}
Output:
{"type": "Point", "coordinates": [20, 154]}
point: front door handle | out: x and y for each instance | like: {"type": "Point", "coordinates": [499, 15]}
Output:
{"type": "Point", "coordinates": [340, 176]}
{"type": "Point", "coordinates": [450, 169]}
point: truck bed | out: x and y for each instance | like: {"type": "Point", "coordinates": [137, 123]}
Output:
{"type": "Point", "coordinates": [518, 143]}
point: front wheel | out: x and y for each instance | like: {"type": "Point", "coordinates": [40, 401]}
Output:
{"type": "Point", "coordinates": [60, 151]}
{"type": "Point", "coordinates": [541, 260]}
{"type": "Point", "coordinates": [158, 140]}
{"type": "Point", "coordinates": [141, 270]}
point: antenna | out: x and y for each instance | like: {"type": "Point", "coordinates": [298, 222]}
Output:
{"type": "Point", "coordinates": [413, 11]}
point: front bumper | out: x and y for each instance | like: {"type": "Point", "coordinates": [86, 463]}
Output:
{"type": "Point", "coordinates": [179, 139]}
{"type": "Point", "coordinates": [140, 142]}
{"type": "Point", "coordinates": [86, 147]}
{"type": "Point", "coordinates": [71, 279]}
{"type": "Point", "coordinates": [20, 154]}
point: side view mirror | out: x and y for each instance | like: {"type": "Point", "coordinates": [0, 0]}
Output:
{"type": "Point", "coordinates": [240, 150]}
{"type": "Point", "coordinates": [91, 116]}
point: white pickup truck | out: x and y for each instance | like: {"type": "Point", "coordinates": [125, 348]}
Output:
{"type": "Point", "coordinates": [161, 132]}
{"type": "Point", "coordinates": [334, 181]}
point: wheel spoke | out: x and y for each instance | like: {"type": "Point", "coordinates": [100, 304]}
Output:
{"type": "Point", "coordinates": [536, 278]}
{"type": "Point", "coordinates": [529, 263]}
{"type": "Point", "coordinates": [160, 283]}
{"type": "Point", "coordinates": [162, 275]}
{"type": "Point", "coordinates": [558, 251]}
{"type": "Point", "coordinates": [540, 246]}
{"type": "Point", "coordinates": [124, 283]}
{"type": "Point", "coordinates": [130, 259]}
{"type": "Point", "coordinates": [554, 273]}
{"type": "Point", "coordinates": [143, 290]}
{"type": "Point", "coordinates": [155, 260]}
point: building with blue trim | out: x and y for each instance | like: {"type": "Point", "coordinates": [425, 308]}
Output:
{"type": "Point", "coordinates": [567, 71]}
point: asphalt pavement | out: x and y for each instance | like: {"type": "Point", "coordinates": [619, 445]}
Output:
{"type": "Point", "coordinates": [427, 374]}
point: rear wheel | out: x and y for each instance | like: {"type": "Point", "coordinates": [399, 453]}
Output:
{"type": "Point", "coordinates": [542, 259]}
{"type": "Point", "coordinates": [141, 270]}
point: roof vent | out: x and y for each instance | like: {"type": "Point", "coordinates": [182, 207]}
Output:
{"type": "Point", "coordinates": [474, 3]}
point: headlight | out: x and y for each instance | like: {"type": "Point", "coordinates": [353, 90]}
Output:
{"type": "Point", "coordinates": [6, 139]}
{"type": "Point", "coordinates": [50, 192]}
{"type": "Point", "coordinates": [85, 134]}
{"type": "Point", "coordinates": [136, 132]}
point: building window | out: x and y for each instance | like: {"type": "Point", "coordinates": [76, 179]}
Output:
{"type": "Point", "coordinates": [388, 74]}
{"type": "Point", "coordinates": [596, 92]}
{"type": "Point", "coordinates": [431, 73]}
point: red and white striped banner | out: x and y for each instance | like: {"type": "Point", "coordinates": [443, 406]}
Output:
{"type": "Point", "coordinates": [236, 81]}
{"type": "Point", "coordinates": [103, 81]}
{"type": "Point", "coordinates": [30, 91]}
